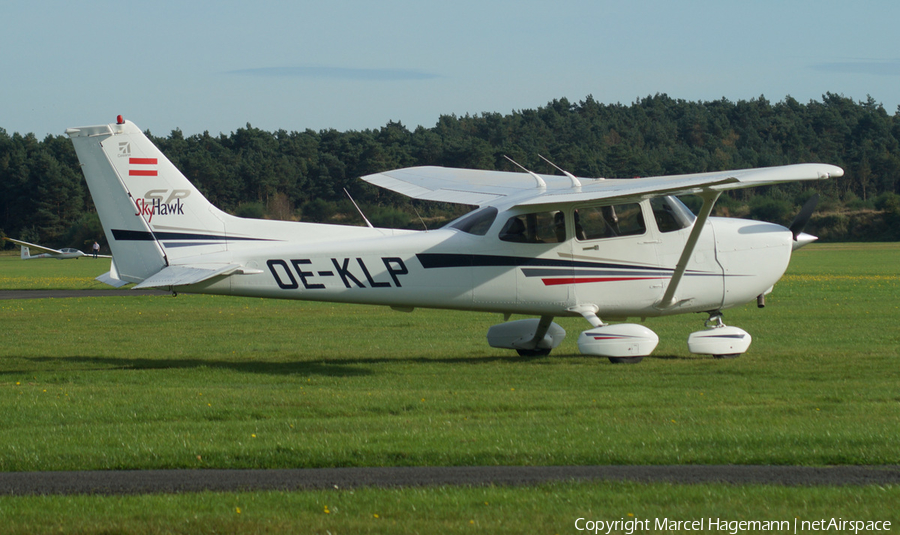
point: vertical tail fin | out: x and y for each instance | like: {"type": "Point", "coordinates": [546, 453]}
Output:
{"type": "Point", "coordinates": [150, 212]}
{"type": "Point", "coordinates": [26, 253]}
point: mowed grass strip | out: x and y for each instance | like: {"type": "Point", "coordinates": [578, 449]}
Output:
{"type": "Point", "coordinates": [220, 382]}
{"type": "Point", "coordinates": [552, 508]}
{"type": "Point", "coordinates": [51, 274]}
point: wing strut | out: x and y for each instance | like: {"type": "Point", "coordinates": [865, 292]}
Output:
{"type": "Point", "coordinates": [709, 199]}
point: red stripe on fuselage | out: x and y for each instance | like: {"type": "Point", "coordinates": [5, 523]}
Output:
{"type": "Point", "coordinates": [582, 280]}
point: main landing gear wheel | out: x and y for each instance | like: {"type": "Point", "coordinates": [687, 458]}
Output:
{"type": "Point", "coordinates": [533, 352]}
{"type": "Point", "coordinates": [622, 343]}
{"type": "Point", "coordinates": [531, 337]}
{"type": "Point", "coordinates": [625, 360]}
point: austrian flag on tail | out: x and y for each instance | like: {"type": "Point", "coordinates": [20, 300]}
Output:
{"type": "Point", "coordinates": [143, 169]}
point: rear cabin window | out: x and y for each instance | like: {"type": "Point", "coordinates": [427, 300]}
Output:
{"type": "Point", "coordinates": [542, 227]}
{"type": "Point", "coordinates": [598, 222]}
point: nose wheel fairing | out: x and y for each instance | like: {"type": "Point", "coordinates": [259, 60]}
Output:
{"type": "Point", "coordinates": [718, 339]}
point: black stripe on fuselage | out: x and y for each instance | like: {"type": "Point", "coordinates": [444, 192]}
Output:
{"type": "Point", "coordinates": [131, 235]}
{"type": "Point", "coordinates": [141, 235]}
{"type": "Point", "coordinates": [447, 260]}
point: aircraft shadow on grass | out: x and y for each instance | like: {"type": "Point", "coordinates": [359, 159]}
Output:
{"type": "Point", "coordinates": [342, 367]}
{"type": "Point", "coordinates": [299, 368]}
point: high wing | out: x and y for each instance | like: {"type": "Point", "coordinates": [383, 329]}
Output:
{"type": "Point", "coordinates": [479, 187]}
{"type": "Point", "coordinates": [33, 246]}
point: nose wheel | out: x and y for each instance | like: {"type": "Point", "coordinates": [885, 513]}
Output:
{"type": "Point", "coordinates": [719, 340]}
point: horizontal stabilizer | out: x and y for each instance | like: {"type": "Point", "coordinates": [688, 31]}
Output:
{"type": "Point", "coordinates": [185, 275]}
{"type": "Point", "coordinates": [112, 277]}
{"type": "Point", "coordinates": [107, 278]}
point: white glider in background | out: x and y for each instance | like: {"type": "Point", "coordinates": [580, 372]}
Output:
{"type": "Point", "coordinates": [110, 277]}
{"type": "Point", "coordinates": [539, 245]}
{"type": "Point", "coordinates": [47, 252]}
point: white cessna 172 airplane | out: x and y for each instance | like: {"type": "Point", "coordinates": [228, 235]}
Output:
{"type": "Point", "coordinates": [541, 245]}
{"type": "Point", "coordinates": [47, 252]}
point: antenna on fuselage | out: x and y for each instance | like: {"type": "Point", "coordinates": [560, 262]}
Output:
{"type": "Point", "coordinates": [358, 209]}
{"type": "Point", "coordinates": [420, 218]}
{"type": "Point", "coordinates": [540, 181]}
{"type": "Point", "coordinates": [575, 182]}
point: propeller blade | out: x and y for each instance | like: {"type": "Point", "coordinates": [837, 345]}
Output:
{"type": "Point", "coordinates": [803, 217]}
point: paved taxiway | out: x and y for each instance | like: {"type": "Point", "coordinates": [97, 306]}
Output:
{"type": "Point", "coordinates": [59, 294]}
{"type": "Point", "coordinates": [167, 481]}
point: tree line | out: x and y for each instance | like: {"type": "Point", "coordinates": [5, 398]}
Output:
{"type": "Point", "coordinates": [304, 175]}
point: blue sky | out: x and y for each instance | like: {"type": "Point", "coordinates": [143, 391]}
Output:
{"type": "Point", "coordinates": [355, 65]}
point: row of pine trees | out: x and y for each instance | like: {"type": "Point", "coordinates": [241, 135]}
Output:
{"type": "Point", "coordinates": [302, 175]}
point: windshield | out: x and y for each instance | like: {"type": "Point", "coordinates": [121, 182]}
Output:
{"type": "Point", "coordinates": [477, 222]}
{"type": "Point", "coordinates": [671, 214]}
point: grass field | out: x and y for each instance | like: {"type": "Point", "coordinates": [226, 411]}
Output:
{"type": "Point", "coordinates": [51, 274]}
{"type": "Point", "coordinates": [514, 510]}
{"type": "Point", "coordinates": [205, 381]}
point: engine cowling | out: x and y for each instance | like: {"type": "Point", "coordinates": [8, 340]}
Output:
{"type": "Point", "coordinates": [623, 340]}
{"type": "Point", "coordinates": [520, 335]}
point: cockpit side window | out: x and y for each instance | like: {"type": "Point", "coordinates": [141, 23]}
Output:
{"type": "Point", "coordinates": [598, 222]}
{"type": "Point", "coordinates": [477, 223]}
{"type": "Point", "coordinates": [670, 214]}
{"type": "Point", "coordinates": [542, 227]}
